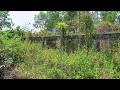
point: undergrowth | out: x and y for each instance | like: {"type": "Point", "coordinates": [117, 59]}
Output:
{"type": "Point", "coordinates": [53, 64]}
{"type": "Point", "coordinates": [35, 62]}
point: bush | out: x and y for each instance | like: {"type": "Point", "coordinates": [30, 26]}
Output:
{"type": "Point", "coordinates": [11, 47]}
{"type": "Point", "coordinates": [53, 64]}
{"type": "Point", "coordinates": [106, 27]}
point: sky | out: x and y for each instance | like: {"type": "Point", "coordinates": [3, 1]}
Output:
{"type": "Point", "coordinates": [22, 18]}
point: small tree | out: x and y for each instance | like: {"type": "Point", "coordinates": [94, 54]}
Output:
{"type": "Point", "coordinates": [87, 27]}
{"type": "Point", "coordinates": [5, 20]}
{"type": "Point", "coordinates": [61, 26]}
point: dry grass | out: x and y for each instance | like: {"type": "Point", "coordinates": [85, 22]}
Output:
{"type": "Point", "coordinates": [12, 73]}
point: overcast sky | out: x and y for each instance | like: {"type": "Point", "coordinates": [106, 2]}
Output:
{"type": "Point", "coordinates": [23, 17]}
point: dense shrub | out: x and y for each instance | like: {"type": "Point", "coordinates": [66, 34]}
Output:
{"type": "Point", "coordinates": [33, 61]}
{"type": "Point", "coordinates": [106, 27]}
{"type": "Point", "coordinates": [53, 64]}
{"type": "Point", "coordinates": [11, 47]}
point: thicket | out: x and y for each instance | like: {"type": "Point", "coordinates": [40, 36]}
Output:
{"type": "Point", "coordinates": [34, 61]}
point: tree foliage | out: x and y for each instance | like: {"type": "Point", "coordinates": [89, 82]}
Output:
{"type": "Point", "coordinates": [74, 19]}
{"type": "Point", "coordinates": [47, 20]}
{"type": "Point", "coordinates": [5, 20]}
{"type": "Point", "coordinates": [87, 27]}
{"type": "Point", "coordinates": [109, 16]}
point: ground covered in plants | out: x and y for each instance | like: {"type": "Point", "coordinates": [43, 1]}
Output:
{"type": "Point", "coordinates": [31, 61]}
{"type": "Point", "coordinates": [53, 64]}
{"type": "Point", "coordinates": [22, 58]}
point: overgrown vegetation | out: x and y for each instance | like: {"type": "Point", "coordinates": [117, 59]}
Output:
{"type": "Point", "coordinates": [52, 64]}
{"type": "Point", "coordinates": [32, 61]}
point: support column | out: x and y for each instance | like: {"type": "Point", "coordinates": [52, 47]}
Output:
{"type": "Point", "coordinates": [97, 45]}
